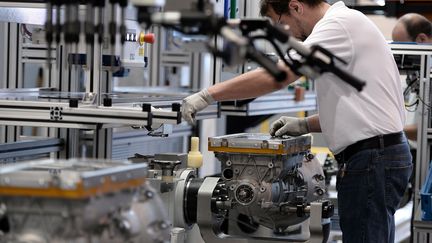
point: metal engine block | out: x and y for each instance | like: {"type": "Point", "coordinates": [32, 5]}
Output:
{"type": "Point", "coordinates": [80, 202]}
{"type": "Point", "coordinates": [264, 178]}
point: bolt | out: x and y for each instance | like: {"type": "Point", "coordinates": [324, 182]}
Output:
{"type": "Point", "coordinates": [309, 157]}
{"type": "Point", "coordinates": [149, 194]}
{"type": "Point", "coordinates": [164, 225]}
{"type": "Point", "coordinates": [125, 225]}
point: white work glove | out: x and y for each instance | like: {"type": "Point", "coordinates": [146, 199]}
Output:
{"type": "Point", "coordinates": [290, 126]}
{"type": "Point", "coordinates": [194, 103]}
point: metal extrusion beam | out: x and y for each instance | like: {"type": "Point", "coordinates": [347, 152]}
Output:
{"type": "Point", "coordinates": [52, 114]}
{"type": "Point", "coordinates": [30, 148]}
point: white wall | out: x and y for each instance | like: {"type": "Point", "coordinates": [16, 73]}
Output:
{"type": "Point", "coordinates": [384, 23]}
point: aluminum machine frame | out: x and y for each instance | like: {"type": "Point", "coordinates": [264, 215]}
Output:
{"type": "Point", "coordinates": [99, 110]}
{"type": "Point", "coordinates": [423, 53]}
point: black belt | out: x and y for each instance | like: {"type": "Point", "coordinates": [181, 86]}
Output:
{"type": "Point", "coordinates": [377, 142]}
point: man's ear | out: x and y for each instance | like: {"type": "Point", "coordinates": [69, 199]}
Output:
{"type": "Point", "coordinates": [422, 38]}
{"type": "Point", "coordinates": [296, 7]}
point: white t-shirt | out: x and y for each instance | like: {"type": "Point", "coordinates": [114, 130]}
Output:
{"type": "Point", "coordinates": [347, 116]}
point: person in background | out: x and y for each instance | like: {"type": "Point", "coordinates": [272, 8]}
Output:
{"type": "Point", "coordinates": [412, 27]}
{"type": "Point", "coordinates": [363, 129]}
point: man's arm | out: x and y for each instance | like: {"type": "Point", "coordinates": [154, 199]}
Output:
{"type": "Point", "coordinates": [313, 123]}
{"type": "Point", "coordinates": [411, 131]}
{"type": "Point", "coordinates": [250, 85]}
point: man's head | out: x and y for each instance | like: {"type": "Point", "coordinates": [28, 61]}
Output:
{"type": "Point", "coordinates": [413, 28]}
{"type": "Point", "coordinates": [300, 15]}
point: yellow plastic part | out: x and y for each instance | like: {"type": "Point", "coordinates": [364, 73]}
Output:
{"type": "Point", "coordinates": [141, 38]}
{"type": "Point", "coordinates": [316, 150]}
{"type": "Point", "coordinates": [265, 126]}
{"type": "Point", "coordinates": [195, 158]}
{"type": "Point", "coordinates": [301, 114]}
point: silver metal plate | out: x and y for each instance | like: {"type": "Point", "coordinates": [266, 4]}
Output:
{"type": "Point", "coordinates": [23, 15]}
{"type": "Point", "coordinates": [66, 174]}
{"type": "Point", "coordinates": [258, 141]}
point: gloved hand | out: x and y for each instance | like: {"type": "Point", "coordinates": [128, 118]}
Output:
{"type": "Point", "coordinates": [291, 126]}
{"type": "Point", "coordinates": [194, 103]}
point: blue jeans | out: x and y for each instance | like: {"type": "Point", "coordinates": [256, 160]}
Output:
{"type": "Point", "coordinates": [370, 191]}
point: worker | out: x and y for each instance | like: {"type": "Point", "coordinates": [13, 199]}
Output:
{"type": "Point", "coordinates": [363, 129]}
{"type": "Point", "coordinates": [412, 27]}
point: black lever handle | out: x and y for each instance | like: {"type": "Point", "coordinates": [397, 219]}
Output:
{"type": "Point", "coordinates": [267, 63]}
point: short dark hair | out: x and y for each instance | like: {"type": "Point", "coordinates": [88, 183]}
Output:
{"type": "Point", "coordinates": [416, 24]}
{"type": "Point", "coordinates": [281, 6]}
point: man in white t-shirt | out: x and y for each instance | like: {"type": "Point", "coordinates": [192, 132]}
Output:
{"type": "Point", "coordinates": [363, 129]}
